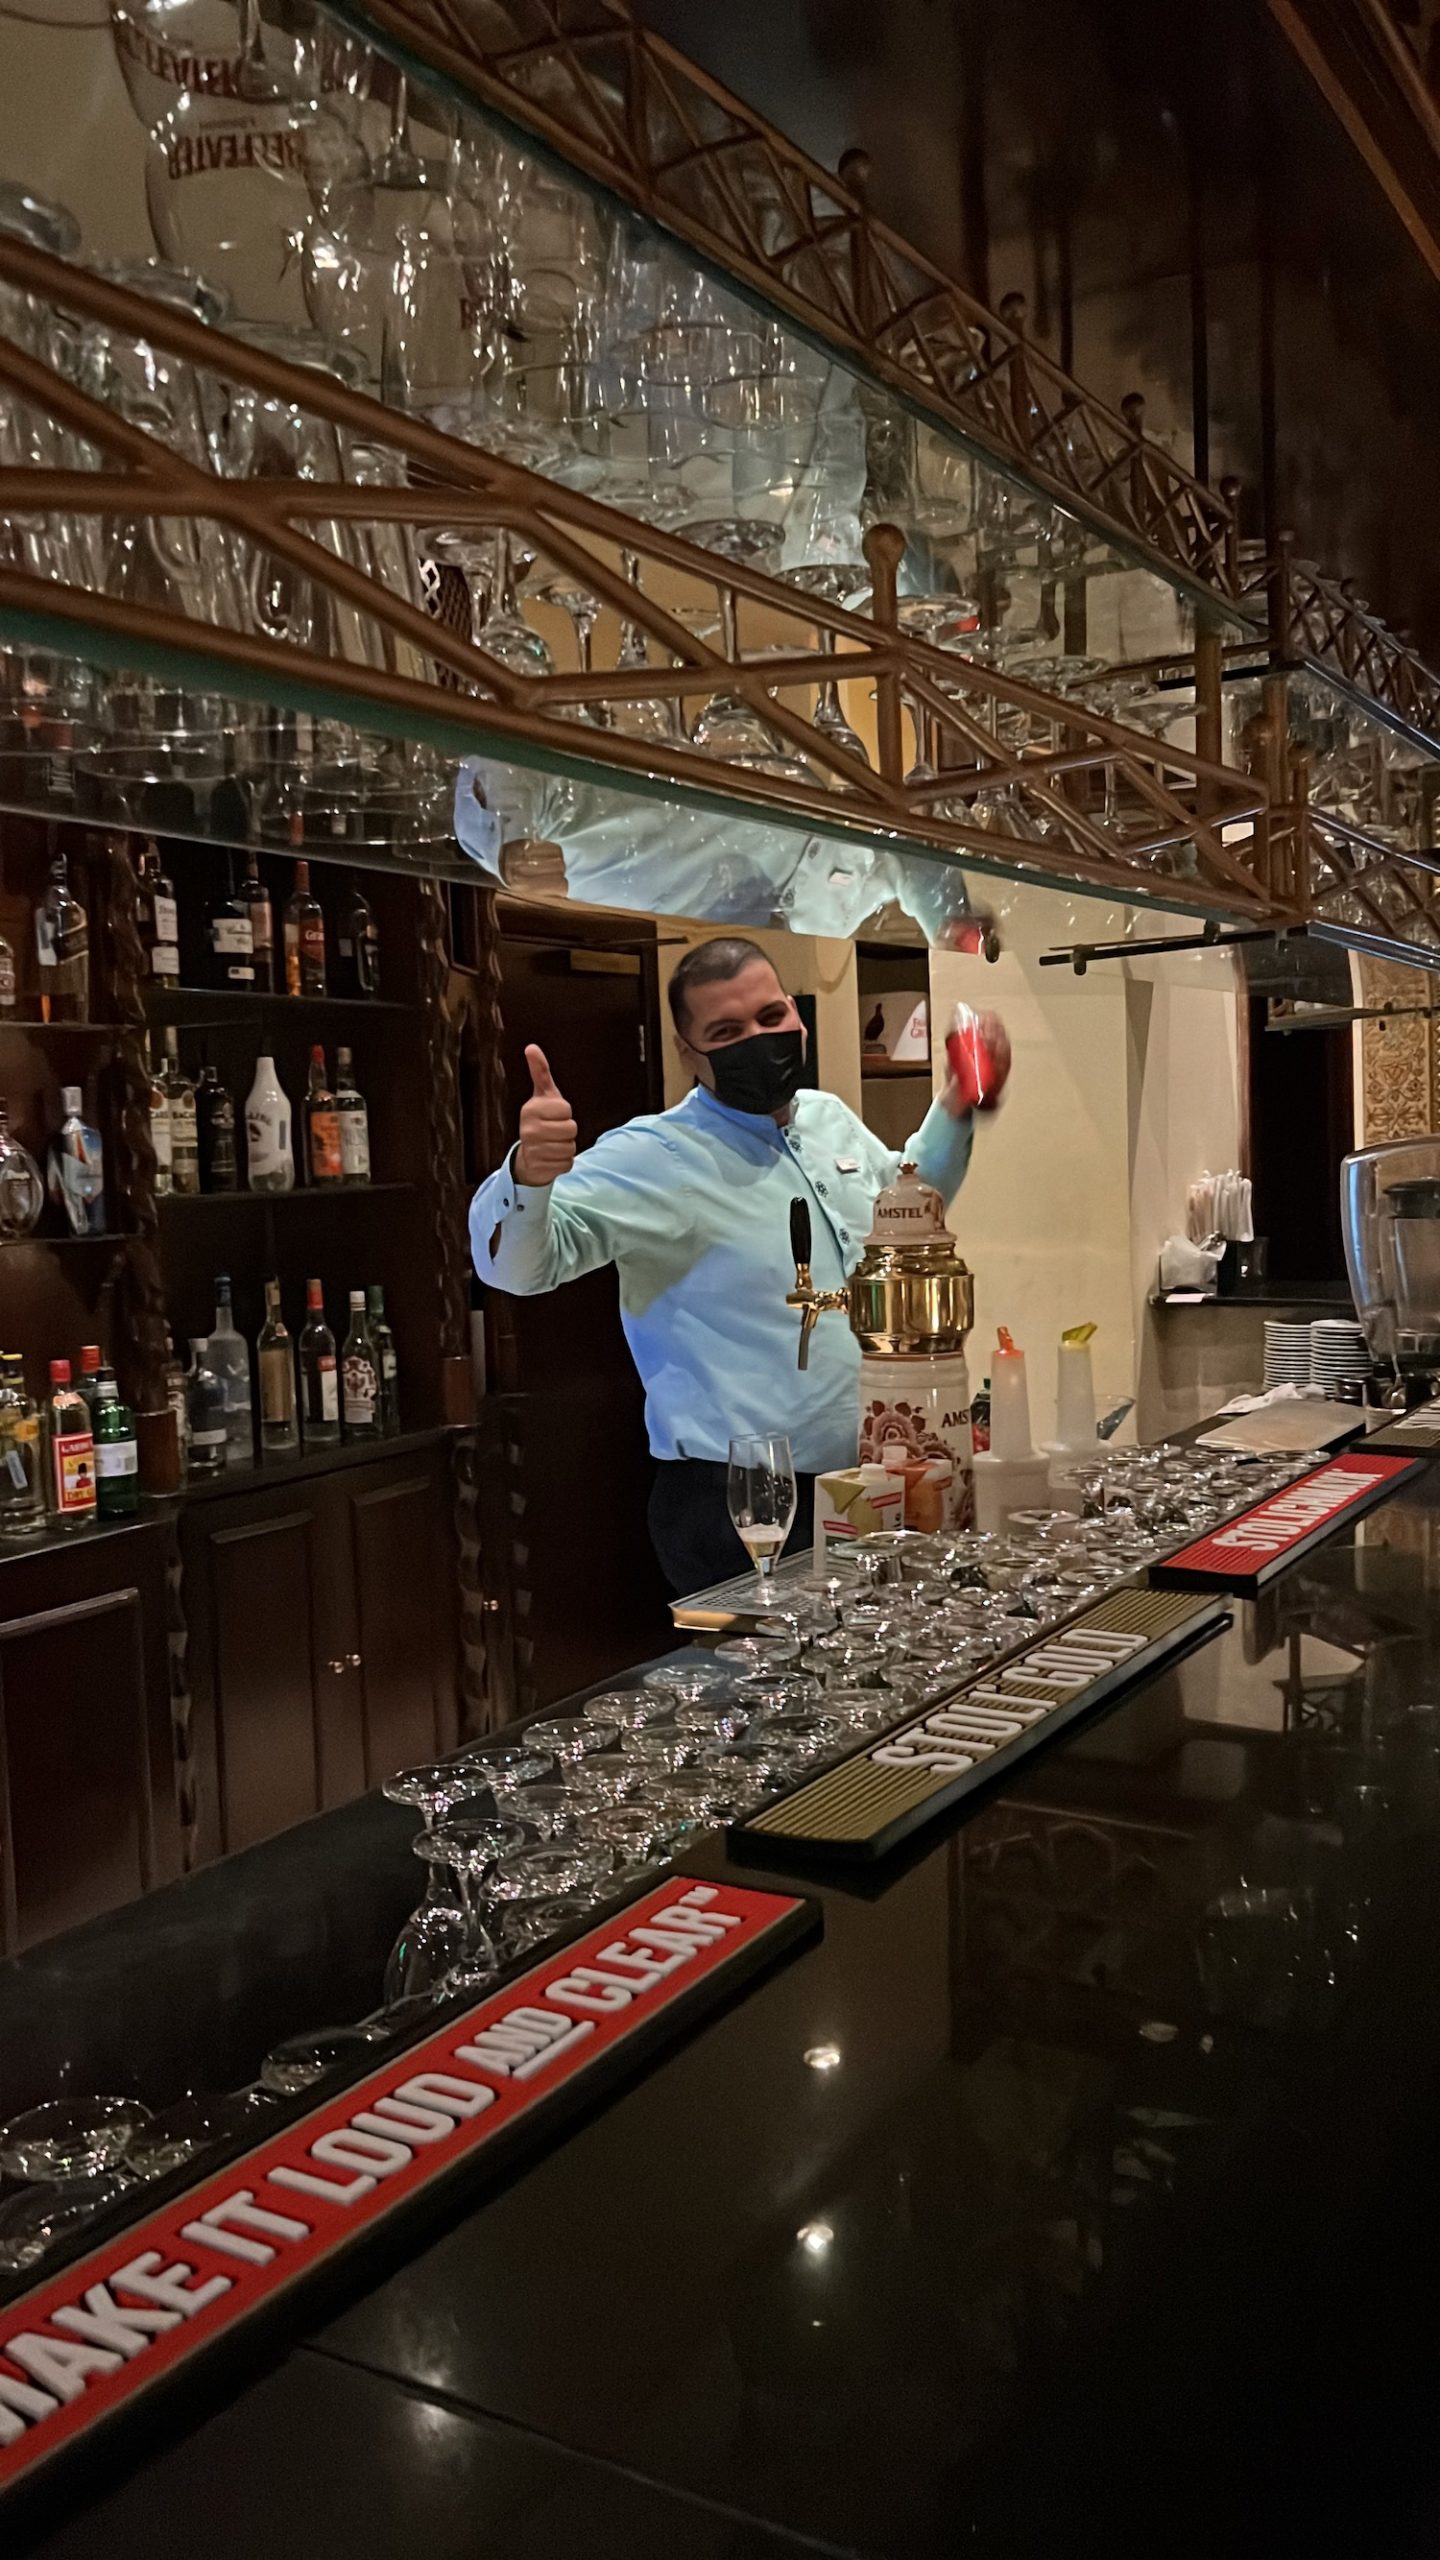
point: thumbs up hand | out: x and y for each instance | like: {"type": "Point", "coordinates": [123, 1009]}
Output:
{"type": "Point", "coordinates": [547, 1127]}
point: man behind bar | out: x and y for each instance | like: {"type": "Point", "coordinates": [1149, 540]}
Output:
{"type": "Point", "coordinates": [693, 1208]}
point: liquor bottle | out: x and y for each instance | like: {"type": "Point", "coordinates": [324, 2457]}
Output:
{"type": "Point", "coordinates": [319, 1372]}
{"type": "Point", "coordinates": [354, 1121]}
{"type": "Point", "coordinates": [385, 1360]}
{"type": "Point", "coordinates": [360, 1375]}
{"type": "Point", "coordinates": [160, 1128]}
{"type": "Point", "coordinates": [322, 1125]}
{"type": "Point", "coordinates": [262, 926]}
{"type": "Point", "coordinates": [279, 1425]}
{"type": "Point", "coordinates": [8, 983]}
{"type": "Point", "coordinates": [117, 1459]}
{"type": "Point", "coordinates": [77, 1169]}
{"type": "Point", "coordinates": [269, 1143]}
{"type": "Point", "coordinates": [184, 1134]}
{"type": "Point", "coordinates": [207, 1435]}
{"type": "Point", "coordinates": [359, 947]}
{"type": "Point", "coordinates": [22, 1482]}
{"type": "Point", "coordinates": [304, 938]}
{"type": "Point", "coordinates": [22, 1193]}
{"type": "Point", "coordinates": [176, 1396]}
{"type": "Point", "coordinates": [87, 1385]}
{"type": "Point", "coordinates": [232, 940]}
{"type": "Point", "coordinates": [227, 1353]}
{"type": "Point", "coordinates": [215, 1132]}
{"type": "Point", "coordinates": [158, 918]}
{"type": "Point", "coordinates": [62, 946]}
{"type": "Point", "coordinates": [70, 1452]}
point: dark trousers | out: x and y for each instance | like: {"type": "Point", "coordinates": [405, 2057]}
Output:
{"type": "Point", "coordinates": [690, 1526]}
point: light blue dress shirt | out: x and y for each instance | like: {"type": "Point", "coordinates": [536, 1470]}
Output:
{"type": "Point", "coordinates": [693, 1208]}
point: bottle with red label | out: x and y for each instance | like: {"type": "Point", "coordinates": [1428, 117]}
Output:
{"type": "Point", "coordinates": [324, 1144]}
{"type": "Point", "coordinates": [70, 1452]}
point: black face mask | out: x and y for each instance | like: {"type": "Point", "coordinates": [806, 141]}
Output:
{"type": "Point", "coordinates": [760, 1074]}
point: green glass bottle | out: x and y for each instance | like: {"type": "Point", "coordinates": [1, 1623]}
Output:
{"type": "Point", "coordinates": [117, 1462]}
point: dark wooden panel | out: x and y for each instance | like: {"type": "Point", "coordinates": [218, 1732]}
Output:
{"type": "Point", "coordinates": [75, 1777]}
{"type": "Point", "coordinates": [404, 1595]}
{"type": "Point", "coordinates": [262, 1640]}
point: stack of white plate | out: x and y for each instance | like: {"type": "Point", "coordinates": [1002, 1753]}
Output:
{"type": "Point", "coordinates": [1287, 1354]}
{"type": "Point", "coordinates": [1337, 1352]}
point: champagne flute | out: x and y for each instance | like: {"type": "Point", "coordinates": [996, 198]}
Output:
{"type": "Point", "coordinates": [761, 1491]}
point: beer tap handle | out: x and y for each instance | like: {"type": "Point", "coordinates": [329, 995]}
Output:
{"type": "Point", "coordinates": [800, 1238]}
{"type": "Point", "coordinates": [803, 1293]}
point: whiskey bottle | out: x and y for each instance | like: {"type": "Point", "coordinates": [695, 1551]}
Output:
{"type": "Point", "coordinates": [304, 938]}
{"type": "Point", "coordinates": [176, 1396]}
{"type": "Point", "coordinates": [22, 1485]}
{"type": "Point", "coordinates": [269, 1142]}
{"type": "Point", "coordinates": [227, 1353]}
{"type": "Point", "coordinates": [117, 1459]}
{"type": "Point", "coordinates": [69, 1453]}
{"type": "Point", "coordinates": [215, 1132]}
{"type": "Point", "coordinates": [386, 1362]}
{"type": "Point", "coordinates": [279, 1427]}
{"type": "Point", "coordinates": [360, 1375]}
{"type": "Point", "coordinates": [262, 927]}
{"type": "Point", "coordinates": [160, 1135]}
{"type": "Point", "coordinates": [359, 947]}
{"type": "Point", "coordinates": [319, 1372]}
{"type": "Point", "coordinates": [322, 1125]}
{"type": "Point", "coordinates": [232, 939]}
{"type": "Point", "coordinates": [354, 1121]}
{"type": "Point", "coordinates": [158, 918]}
{"type": "Point", "coordinates": [206, 1435]}
{"type": "Point", "coordinates": [184, 1134]}
{"type": "Point", "coordinates": [8, 983]}
{"type": "Point", "coordinates": [62, 947]}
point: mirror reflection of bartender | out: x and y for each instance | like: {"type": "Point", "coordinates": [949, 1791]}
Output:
{"type": "Point", "coordinates": [692, 1206]}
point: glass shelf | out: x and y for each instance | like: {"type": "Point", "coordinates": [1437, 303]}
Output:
{"type": "Point", "coordinates": [192, 1200]}
{"type": "Point", "coordinates": [163, 1002]}
{"type": "Point", "coordinates": [64, 1244]}
{"type": "Point", "coordinates": [85, 1030]}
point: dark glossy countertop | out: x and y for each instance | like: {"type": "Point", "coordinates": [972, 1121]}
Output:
{"type": "Point", "coordinates": [1110, 2230]}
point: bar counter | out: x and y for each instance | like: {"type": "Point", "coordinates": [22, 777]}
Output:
{"type": "Point", "coordinates": [1072, 2193]}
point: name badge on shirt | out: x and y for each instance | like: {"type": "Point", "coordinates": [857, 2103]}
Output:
{"type": "Point", "coordinates": [846, 1164]}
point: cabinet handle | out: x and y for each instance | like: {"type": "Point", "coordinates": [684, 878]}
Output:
{"type": "Point", "coordinates": [338, 1666]}
{"type": "Point", "coordinates": [353, 1660]}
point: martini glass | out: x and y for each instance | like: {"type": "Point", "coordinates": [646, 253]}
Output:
{"type": "Point", "coordinates": [470, 1851]}
{"type": "Point", "coordinates": [70, 2141]}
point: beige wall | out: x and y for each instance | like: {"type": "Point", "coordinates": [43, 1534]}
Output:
{"type": "Point", "coordinates": [1043, 1219]}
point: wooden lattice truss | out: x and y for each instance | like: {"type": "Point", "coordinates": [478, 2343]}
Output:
{"type": "Point", "coordinates": [1017, 775]}
{"type": "Point", "coordinates": [656, 130]}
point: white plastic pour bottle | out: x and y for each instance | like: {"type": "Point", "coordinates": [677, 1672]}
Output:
{"type": "Point", "coordinates": [269, 1144]}
{"type": "Point", "coordinates": [1011, 1475]}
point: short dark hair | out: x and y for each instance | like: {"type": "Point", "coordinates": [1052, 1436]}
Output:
{"type": "Point", "coordinates": [705, 966]}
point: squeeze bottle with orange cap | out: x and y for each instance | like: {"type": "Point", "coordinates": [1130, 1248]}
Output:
{"type": "Point", "coordinates": [1011, 1475]}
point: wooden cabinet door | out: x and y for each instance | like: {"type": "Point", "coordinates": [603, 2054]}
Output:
{"type": "Point", "coordinates": [87, 1796]}
{"type": "Point", "coordinates": [393, 1524]}
{"type": "Point", "coordinates": [273, 1694]}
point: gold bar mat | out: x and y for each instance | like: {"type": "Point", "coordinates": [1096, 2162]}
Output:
{"type": "Point", "coordinates": [865, 1804]}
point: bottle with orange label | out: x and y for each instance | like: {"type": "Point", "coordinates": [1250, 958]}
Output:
{"type": "Point", "coordinates": [324, 1145]}
{"type": "Point", "coordinates": [70, 1452]}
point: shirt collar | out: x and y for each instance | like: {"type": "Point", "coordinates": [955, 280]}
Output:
{"type": "Point", "coordinates": [757, 1124]}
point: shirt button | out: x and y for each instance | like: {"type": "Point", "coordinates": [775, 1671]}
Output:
{"type": "Point", "coordinates": [820, 1187]}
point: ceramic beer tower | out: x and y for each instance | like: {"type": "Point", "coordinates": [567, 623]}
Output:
{"type": "Point", "coordinates": [911, 1303]}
